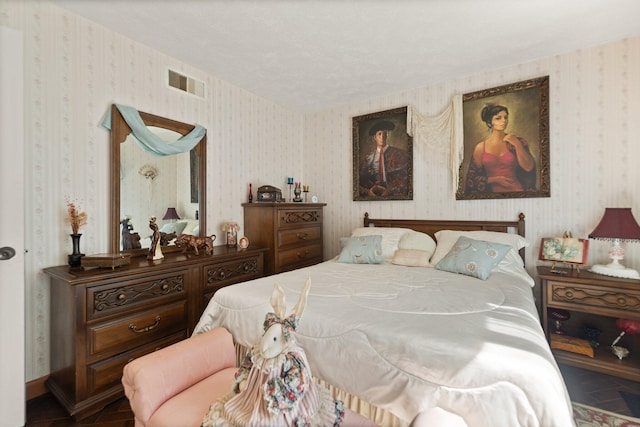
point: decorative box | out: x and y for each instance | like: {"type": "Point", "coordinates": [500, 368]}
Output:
{"type": "Point", "coordinates": [269, 193]}
{"type": "Point", "coordinates": [105, 260]}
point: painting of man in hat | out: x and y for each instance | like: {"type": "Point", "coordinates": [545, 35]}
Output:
{"type": "Point", "coordinates": [382, 157]}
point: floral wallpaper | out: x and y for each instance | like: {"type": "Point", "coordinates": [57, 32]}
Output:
{"type": "Point", "coordinates": [74, 69]}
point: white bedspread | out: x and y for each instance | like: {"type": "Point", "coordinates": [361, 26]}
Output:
{"type": "Point", "coordinates": [408, 338]}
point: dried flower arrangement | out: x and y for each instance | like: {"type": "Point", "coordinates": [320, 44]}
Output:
{"type": "Point", "coordinates": [231, 226]}
{"type": "Point", "coordinates": [76, 218]}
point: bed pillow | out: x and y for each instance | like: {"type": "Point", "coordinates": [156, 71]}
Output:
{"type": "Point", "coordinates": [475, 258]}
{"type": "Point", "coordinates": [190, 226]}
{"type": "Point", "coordinates": [447, 238]}
{"type": "Point", "coordinates": [411, 258]}
{"type": "Point", "coordinates": [417, 240]}
{"type": "Point", "coordinates": [174, 227]}
{"type": "Point", "coordinates": [361, 250]}
{"type": "Point", "coordinates": [390, 237]}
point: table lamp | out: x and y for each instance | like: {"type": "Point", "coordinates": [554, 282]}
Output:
{"type": "Point", "coordinates": [617, 225]}
{"type": "Point", "coordinates": [171, 214]}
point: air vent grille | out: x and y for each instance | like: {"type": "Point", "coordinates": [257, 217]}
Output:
{"type": "Point", "coordinates": [185, 83]}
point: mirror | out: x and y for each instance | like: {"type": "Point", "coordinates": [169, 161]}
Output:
{"type": "Point", "coordinates": [145, 185]}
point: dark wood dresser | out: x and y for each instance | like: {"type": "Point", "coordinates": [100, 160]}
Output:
{"type": "Point", "coordinates": [291, 231]}
{"type": "Point", "coordinates": [103, 318]}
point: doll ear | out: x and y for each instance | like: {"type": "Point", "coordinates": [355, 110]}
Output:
{"type": "Point", "coordinates": [278, 301]}
{"type": "Point", "coordinates": [302, 301]}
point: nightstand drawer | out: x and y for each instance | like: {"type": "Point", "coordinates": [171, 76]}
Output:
{"type": "Point", "coordinates": [137, 330]}
{"type": "Point", "coordinates": [299, 236]}
{"type": "Point", "coordinates": [610, 301]}
{"type": "Point", "coordinates": [301, 256]}
{"type": "Point", "coordinates": [238, 270]}
{"type": "Point", "coordinates": [118, 296]}
{"type": "Point", "coordinates": [105, 374]}
{"type": "Point", "coordinates": [299, 217]}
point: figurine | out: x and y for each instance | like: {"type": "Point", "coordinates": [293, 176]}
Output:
{"type": "Point", "coordinates": [155, 253]}
{"type": "Point", "coordinates": [130, 240]}
{"type": "Point", "coordinates": [187, 241]}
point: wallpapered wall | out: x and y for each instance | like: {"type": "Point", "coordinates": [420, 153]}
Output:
{"type": "Point", "coordinates": [594, 150]}
{"type": "Point", "coordinates": [74, 69]}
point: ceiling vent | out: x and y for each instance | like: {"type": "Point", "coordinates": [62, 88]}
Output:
{"type": "Point", "coordinates": [185, 83]}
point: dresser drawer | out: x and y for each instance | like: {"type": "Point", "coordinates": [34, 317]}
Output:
{"type": "Point", "coordinates": [107, 373]}
{"type": "Point", "coordinates": [299, 217]}
{"type": "Point", "coordinates": [301, 256]}
{"type": "Point", "coordinates": [138, 329]}
{"type": "Point", "coordinates": [609, 301]}
{"type": "Point", "coordinates": [238, 270]}
{"type": "Point", "coordinates": [299, 235]}
{"type": "Point", "coordinates": [118, 296]}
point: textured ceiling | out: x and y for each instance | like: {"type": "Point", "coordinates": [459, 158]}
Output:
{"type": "Point", "coordinates": [310, 55]}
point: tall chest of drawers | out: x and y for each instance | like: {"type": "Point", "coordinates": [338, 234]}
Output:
{"type": "Point", "coordinates": [291, 231]}
{"type": "Point", "coordinates": [103, 318]}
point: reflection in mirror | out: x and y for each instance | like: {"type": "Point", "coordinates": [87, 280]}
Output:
{"type": "Point", "coordinates": [149, 185]}
{"type": "Point", "coordinates": [145, 185]}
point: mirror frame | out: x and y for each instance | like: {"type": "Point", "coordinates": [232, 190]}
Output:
{"type": "Point", "coordinates": [119, 132]}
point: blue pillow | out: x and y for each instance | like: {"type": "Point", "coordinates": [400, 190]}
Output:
{"type": "Point", "coordinates": [361, 250]}
{"type": "Point", "coordinates": [475, 258]}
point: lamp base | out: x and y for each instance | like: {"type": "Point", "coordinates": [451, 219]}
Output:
{"type": "Point", "coordinates": [625, 273]}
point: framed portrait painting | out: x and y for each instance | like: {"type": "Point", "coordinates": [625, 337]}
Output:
{"type": "Point", "coordinates": [506, 142]}
{"type": "Point", "coordinates": [382, 156]}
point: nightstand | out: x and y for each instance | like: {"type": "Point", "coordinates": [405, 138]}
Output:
{"type": "Point", "coordinates": [594, 300]}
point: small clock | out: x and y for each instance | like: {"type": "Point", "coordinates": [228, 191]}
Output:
{"type": "Point", "coordinates": [269, 193]}
{"type": "Point", "coordinates": [314, 199]}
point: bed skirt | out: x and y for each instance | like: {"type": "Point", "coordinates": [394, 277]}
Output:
{"type": "Point", "coordinates": [355, 404]}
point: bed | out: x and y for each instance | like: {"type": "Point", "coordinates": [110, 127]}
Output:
{"type": "Point", "coordinates": [399, 337]}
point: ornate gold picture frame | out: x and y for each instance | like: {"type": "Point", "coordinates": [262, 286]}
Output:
{"type": "Point", "coordinates": [506, 142]}
{"type": "Point", "coordinates": [394, 181]}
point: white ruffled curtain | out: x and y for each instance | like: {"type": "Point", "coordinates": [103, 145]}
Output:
{"type": "Point", "coordinates": [439, 132]}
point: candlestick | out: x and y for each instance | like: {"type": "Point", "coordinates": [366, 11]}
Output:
{"type": "Point", "coordinates": [290, 182]}
{"type": "Point", "coordinates": [305, 189]}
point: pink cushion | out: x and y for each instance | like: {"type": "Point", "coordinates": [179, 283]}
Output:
{"type": "Point", "coordinates": [188, 408]}
{"type": "Point", "coordinates": [151, 380]}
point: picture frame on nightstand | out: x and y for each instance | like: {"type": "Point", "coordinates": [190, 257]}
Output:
{"type": "Point", "coordinates": [565, 250]}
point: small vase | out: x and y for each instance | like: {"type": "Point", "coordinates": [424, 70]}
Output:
{"type": "Point", "coordinates": [75, 257]}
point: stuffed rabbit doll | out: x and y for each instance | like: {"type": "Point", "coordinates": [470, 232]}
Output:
{"type": "Point", "coordinates": [274, 385]}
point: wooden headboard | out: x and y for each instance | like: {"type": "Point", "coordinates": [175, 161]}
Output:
{"type": "Point", "coordinates": [431, 226]}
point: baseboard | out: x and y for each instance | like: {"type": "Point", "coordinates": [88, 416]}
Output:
{"type": "Point", "coordinates": [37, 388]}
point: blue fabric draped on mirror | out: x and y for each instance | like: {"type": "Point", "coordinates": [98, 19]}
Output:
{"type": "Point", "coordinates": [149, 141]}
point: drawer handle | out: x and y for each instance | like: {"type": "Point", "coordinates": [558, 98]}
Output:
{"type": "Point", "coordinates": [221, 274]}
{"type": "Point", "coordinates": [165, 287]}
{"type": "Point", "coordinates": [622, 301]}
{"type": "Point", "coordinates": [302, 236]}
{"type": "Point", "coordinates": [121, 297]}
{"type": "Point", "coordinates": [303, 255]}
{"type": "Point", "coordinates": [135, 329]}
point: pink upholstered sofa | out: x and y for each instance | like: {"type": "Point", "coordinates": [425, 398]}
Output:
{"type": "Point", "coordinates": [174, 387]}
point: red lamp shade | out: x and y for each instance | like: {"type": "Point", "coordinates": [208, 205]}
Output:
{"type": "Point", "coordinates": [617, 223]}
{"type": "Point", "coordinates": [171, 214]}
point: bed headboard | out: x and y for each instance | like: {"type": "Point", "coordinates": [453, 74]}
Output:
{"type": "Point", "coordinates": [430, 226]}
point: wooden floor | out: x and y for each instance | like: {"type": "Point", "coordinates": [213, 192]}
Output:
{"type": "Point", "coordinates": [45, 411]}
{"type": "Point", "coordinates": [590, 388]}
